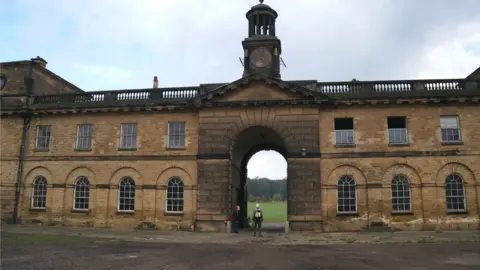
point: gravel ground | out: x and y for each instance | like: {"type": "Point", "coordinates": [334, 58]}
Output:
{"type": "Point", "coordinates": [49, 251]}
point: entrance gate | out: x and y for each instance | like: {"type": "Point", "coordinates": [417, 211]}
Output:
{"type": "Point", "coordinates": [227, 143]}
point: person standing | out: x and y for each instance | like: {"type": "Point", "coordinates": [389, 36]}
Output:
{"type": "Point", "coordinates": [257, 220]}
{"type": "Point", "coordinates": [236, 218]}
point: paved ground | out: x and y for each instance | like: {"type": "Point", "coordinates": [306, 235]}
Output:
{"type": "Point", "coordinates": [39, 247]}
{"type": "Point", "coordinates": [43, 251]}
{"type": "Point", "coordinates": [245, 237]}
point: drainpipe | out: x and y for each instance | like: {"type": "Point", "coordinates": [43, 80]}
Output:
{"type": "Point", "coordinates": [26, 126]}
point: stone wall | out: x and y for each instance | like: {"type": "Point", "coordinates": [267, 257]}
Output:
{"type": "Point", "coordinates": [11, 129]}
{"type": "Point", "coordinates": [210, 176]}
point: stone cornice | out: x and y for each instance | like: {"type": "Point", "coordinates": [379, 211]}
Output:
{"type": "Point", "coordinates": [320, 103]}
{"type": "Point", "coordinates": [436, 92]}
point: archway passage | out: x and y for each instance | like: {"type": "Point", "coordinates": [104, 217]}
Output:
{"type": "Point", "coordinates": [267, 186]}
{"type": "Point", "coordinates": [248, 143]}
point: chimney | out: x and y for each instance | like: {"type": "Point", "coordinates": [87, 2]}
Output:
{"type": "Point", "coordinates": [155, 82]}
{"type": "Point", "coordinates": [39, 60]}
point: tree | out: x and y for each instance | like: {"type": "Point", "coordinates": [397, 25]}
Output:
{"type": "Point", "coordinates": [267, 188]}
{"type": "Point", "coordinates": [277, 197]}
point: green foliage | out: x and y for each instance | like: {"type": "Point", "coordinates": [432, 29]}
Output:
{"type": "Point", "coordinates": [264, 189]}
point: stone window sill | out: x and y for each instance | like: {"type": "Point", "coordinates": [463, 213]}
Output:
{"type": "Point", "coordinates": [177, 214]}
{"type": "Point", "coordinates": [347, 214]}
{"type": "Point", "coordinates": [38, 209]}
{"type": "Point", "coordinates": [83, 149]}
{"type": "Point", "coordinates": [41, 150]}
{"type": "Point", "coordinates": [460, 212]}
{"type": "Point", "coordinates": [452, 143]}
{"type": "Point", "coordinates": [409, 213]}
{"type": "Point", "coordinates": [125, 213]}
{"type": "Point", "coordinates": [127, 149]}
{"type": "Point", "coordinates": [170, 148]}
{"type": "Point", "coordinates": [86, 211]}
{"type": "Point", "coordinates": [398, 144]}
{"type": "Point", "coordinates": [345, 145]}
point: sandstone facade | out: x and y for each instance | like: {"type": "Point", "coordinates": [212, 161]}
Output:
{"type": "Point", "coordinates": [402, 154]}
{"type": "Point", "coordinates": [208, 177]}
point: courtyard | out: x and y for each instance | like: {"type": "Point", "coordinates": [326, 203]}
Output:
{"type": "Point", "coordinates": [39, 247]}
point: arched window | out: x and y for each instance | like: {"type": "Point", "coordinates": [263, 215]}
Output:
{"type": "Point", "coordinates": [401, 201]}
{"type": "Point", "coordinates": [347, 195]}
{"type": "Point", "coordinates": [81, 195]}
{"type": "Point", "coordinates": [175, 195]}
{"type": "Point", "coordinates": [39, 193]}
{"type": "Point", "coordinates": [126, 195]}
{"type": "Point", "coordinates": [455, 195]}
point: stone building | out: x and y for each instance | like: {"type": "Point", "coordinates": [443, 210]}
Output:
{"type": "Point", "coordinates": [403, 154]}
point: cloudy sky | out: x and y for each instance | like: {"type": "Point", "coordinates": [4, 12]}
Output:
{"type": "Point", "coordinates": [119, 44]}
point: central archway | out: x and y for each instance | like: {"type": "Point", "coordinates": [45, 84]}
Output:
{"type": "Point", "coordinates": [249, 142]}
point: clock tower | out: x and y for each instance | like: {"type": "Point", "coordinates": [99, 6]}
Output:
{"type": "Point", "coordinates": [262, 48]}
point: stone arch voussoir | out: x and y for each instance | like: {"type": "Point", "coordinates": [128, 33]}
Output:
{"type": "Point", "coordinates": [468, 176]}
{"type": "Point", "coordinates": [38, 171]}
{"type": "Point", "coordinates": [80, 171]}
{"type": "Point", "coordinates": [344, 169]}
{"type": "Point", "coordinates": [403, 169]}
{"type": "Point", "coordinates": [170, 172]}
{"type": "Point", "coordinates": [123, 172]}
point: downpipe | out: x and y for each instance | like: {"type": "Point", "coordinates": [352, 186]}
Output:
{"type": "Point", "coordinates": [26, 127]}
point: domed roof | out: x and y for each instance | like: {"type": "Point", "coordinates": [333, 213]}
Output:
{"type": "Point", "coordinates": [262, 7]}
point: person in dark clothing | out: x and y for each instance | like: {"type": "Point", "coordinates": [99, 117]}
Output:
{"type": "Point", "coordinates": [236, 218]}
{"type": "Point", "coordinates": [257, 220]}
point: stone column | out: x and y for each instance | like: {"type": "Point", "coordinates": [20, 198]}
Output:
{"type": "Point", "coordinates": [304, 193]}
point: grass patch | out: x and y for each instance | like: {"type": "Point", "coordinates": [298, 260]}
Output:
{"type": "Point", "coordinates": [272, 211]}
{"type": "Point", "coordinates": [24, 238]}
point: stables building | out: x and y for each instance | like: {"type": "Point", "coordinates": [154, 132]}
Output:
{"type": "Point", "coordinates": [403, 154]}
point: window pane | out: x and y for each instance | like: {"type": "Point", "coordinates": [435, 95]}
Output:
{"type": "Point", "coordinates": [449, 122]}
{"type": "Point", "coordinates": [128, 135]}
{"type": "Point", "coordinates": [126, 195]}
{"type": "Point", "coordinates": [84, 136]}
{"type": "Point", "coordinates": [39, 198]}
{"type": "Point", "coordinates": [175, 194]}
{"type": "Point", "coordinates": [43, 137]}
{"type": "Point", "coordinates": [454, 192]}
{"type": "Point", "coordinates": [176, 134]}
{"type": "Point", "coordinates": [82, 193]}
{"type": "Point", "coordinates": [346, 192]}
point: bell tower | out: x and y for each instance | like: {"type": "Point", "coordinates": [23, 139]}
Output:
{"type": "Point", "coordinates": [262, 48]}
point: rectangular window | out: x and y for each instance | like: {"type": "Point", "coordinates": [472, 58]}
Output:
{"type": "Point", "coordinates": [397, 130]}
{"type": "Point", "coordinates": [176, 134]}
{"type": "Point", "coordinates": [128, 136]}
{"type": "Point", "coordinates": [344, 131]}
{"type": "Point", "coordinates": [43, 137]}
{"type": "Point", "coordinates": [84, 136]}
{"type": "Point", "coordinates": [450, 127]}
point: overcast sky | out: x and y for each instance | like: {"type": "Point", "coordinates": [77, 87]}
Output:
{"type": "Point", "coordinates": [121, 44]}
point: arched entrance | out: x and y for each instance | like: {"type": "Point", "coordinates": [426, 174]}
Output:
{"type": "Point", "coordinates": [228, 137]}
{"type": "Point", "coordinates": [249, 142]}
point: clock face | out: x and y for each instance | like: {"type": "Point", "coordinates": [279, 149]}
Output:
{"type": "Point", "coordinates": [260, 58]}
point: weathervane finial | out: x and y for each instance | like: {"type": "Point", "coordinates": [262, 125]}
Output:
{"type": "Point", "coordinates": [261, 1]}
